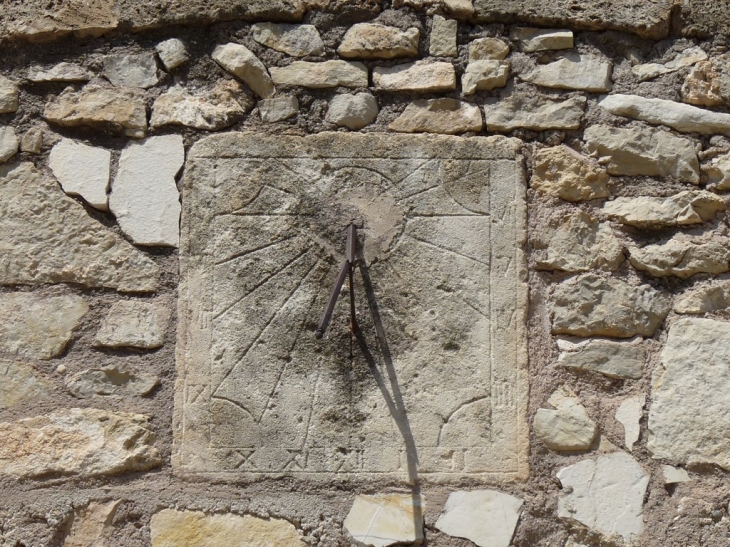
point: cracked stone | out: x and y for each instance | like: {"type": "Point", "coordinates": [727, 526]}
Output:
{"type": "Point", "coordinates": [444, 115]}
{"type": "Point", "coordinates": [682, 209]}
{"type": "Point", "coordinates": [352, 111]}
{"type": "Point", "coordinates": [613, 359]}
{"type": "Point", "coordinates": [629, 415]}
{"type": "Point", "coordinates": [321, 75]}
{"type": "Point", "coordinates": [718, 172]}
{"type": "Point", "coordinates": [443, 37]}
{"type": "Point", "coordinates": [82, 171]}
{"type": "Point", "coordinates": [562, 172]}
{"type": "Point", "coordinates": [135, 324]}
{"type": "Point", "coordinates": [537, 39]}
{"type": "Point", "coordinates": [574, 71]}
{"type": "Point", "coordinates": [382, 520]}
{"type": "Point", "coordinates": [683, 258]}
{"type": "Point", "coordinates": [244, 65]}
{"type": "Point", "coordinates": [110, 380]}
{"type": "Point", "coordinates": [8, 95]}
{"type": "Point", "coordinates": [131, 70]}
{"type": "Point", "coordinates": [294, 40]}
{"type": "Point", "coordinates": [534, 113]}
{"type": "Point", "coordinates": [707, 84]}
{"type": "Point", "coordinates": [172, 53]}
{"type": "Point", "coordinates": [485, 49]}
{"type": "Point", "coordinates": [686, 58]}
{"type": "Point", "coordinates": [567, 427]}
{"type": "Point", "coordinates": [703, 300]}
{"type": "Point", "coordinates": [278, 109]}
{"type": "Point", "coordinates": [62, 72]}
{"type": "Point", "coordinates": [19, 383]}
{"type": "Point", "coordinates": [418, 77]}
{"type": "Point", "coordinates": [373, 41]}
{"type": "Point", "coordinates": [484, 76]}
{"type": "Point", "coordinates": [8, 143]}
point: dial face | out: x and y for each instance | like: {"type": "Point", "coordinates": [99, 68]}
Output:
{"type": "Point", "coordinates": [434, 385]}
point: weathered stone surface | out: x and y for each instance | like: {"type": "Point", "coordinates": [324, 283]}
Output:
{"type": "Point", "coordinates": [606, 494]}
{"type": "Point", "coordinates": [322, 75]}
{"type": "Point", "coordinates": [686, 58]}
{"type": "Point", "coordinates": [277, 109]}
{"type": "Point", "coordinates": [485, 49]}
{"type": "Point", "coordinates": [382, 520]}
{"type": "Point", "coordinates": [718, 172]}
{"type": "Point", "coordinates": [687, 421]}
{"type": "Point", "coordinates": [138, 70]}
{"type": "Point", "coordinates": [373, 41]}
{"type": "Point", "coordinates": [8, 95]}
{"type": "Point", "coordinates": [172, 53]}
{"type": "Point", "coordinates": [445, 115]}
{"type": "Point", "coordinates": [418, 77]}
{"type": "Point", "coordinates": [590, 305]}
{"type": "Point", "coordinates": [19, 383]}
{"type": "Point", "coordinates": [574, 71]}
{"type": "Point", "coordinates": [430, 205]}
{"type": "Point", "coordinates": [537, 39]}
{"type": "Point", "coordinates": [566, 428]}
{"type": "Point", "coordinates": [612, 359]}
{"type": "Point", "coordinates": [682, 209]}
{"type": "Point", "coordinates": [82, 171]}
{"type": "Point", "coordinates": [49, 238]}
{"type": "Point", "coordinates": [110, 380]}
{"type": "Point", "coordinates": [133, 323]}
{"type": "Point", "coordinates": [456, 8]}
{"type": "Point", "coordinates": [172, 528]}
{"type": "Point", "coordinates": [643, 151]}
{"type": "Point", "coordinates": [244, 65]}
{"type": "Point", "coordinates": [562, 172]}
{"type": "Point", "coordinates": [144, 197]}
{"type": "Point", "coordinates": [629, 415]}
{"type": "Point", "coordinates": [534, 113]}
{"type": "Point", "coordinates": [32, 141]}
{"type": "Point", "coordinates": [8, 143]}
{"type": "Point", "coordinates": [37, 327]}
{"type": "Point", "coordinates": [352, 111]}
{"type": "Point", "coordinates": [674, 475]}
{"type": "Point", "coordinates": [117, 110]}
{"type": "Point", "coordinates": [294, 40]}
{"type": "Point", "coordinates": [579, 244]}
{"type": "Point", "coordinates": [703, 299]}
{"type": "Point", "coordinates": [91, 525]}
{"type": "Point", "coordinates": [683, 258]}
{"type": "Point", "coordinates": [682, 117]}
{"type": "Point", "coordinates": [211, 110]}
{"type": "Point", "coordinates": [62, 72]}
{"type": "Point", "coordinates": [486, 517]}
{"type": "Point", "coordinates": [443, 37]}
{"type": "Point", "coordinates": [707, 84]}
{"type": "Point", "coordinates": [484, 76]}
{"type": "Point", "coordinates": [77, 441]}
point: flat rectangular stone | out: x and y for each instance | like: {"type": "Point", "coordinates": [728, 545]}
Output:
{"type": "Point", "coordinates": [322, 75]}
{"type": "Point", "coordinates": [442, 226]}
{"type": "Point", "coordinates": [419, 77]}
{"type": "Point", "coordinates": [537, 39]}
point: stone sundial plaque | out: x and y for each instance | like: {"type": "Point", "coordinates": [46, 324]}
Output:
{"type": "Point", "coordinates": [436, 384]}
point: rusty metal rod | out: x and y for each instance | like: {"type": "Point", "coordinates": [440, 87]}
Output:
{"type": "Point", "coordinates": [327, 315]}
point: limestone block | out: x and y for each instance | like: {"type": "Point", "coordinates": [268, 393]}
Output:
{"type": "Point", "coordinates": [612, 359]}
{"type": "Point", "coordinates": [674, 475]}
{"type": "Point", "coordinates": [581, 243]}
{"type": "Point", "coordinates": [686, 58]}
{"type": "Point", "coordinates": [49, 238]}
{"type": "Point", "coordinates": [118, 110]}
{"type": "Point", "coordinates": [61, 72]}
{"type": "Point", "coordinates": [484, 76]}
{"type": "Point", "coordinates": [606, 495]}
{"type": "Point", "coordinates": [589, 305]}
{"type": "Point", "coordinates": [643, 151]}
{"type": "Point", "coordinates": [277, 109]}
{"type": "Point", "coordinates": [683, 258]}
{"type": "Point", "coordinates": [170, 528]}
{"type": "Point", "coordinates": [568, 426]}
{"type": "Point", "coordinates": [703, 300]}
{"type": "Point", "coordinates": [8, 95]}
{"type": "Point", "coordinates": [212, 110]}
{"type": "Point", "coordinates": [687, 421]}
{"type": "Point", "coordinates": [77, 441]}
{"type": "Point", "coordinates": [445, 115]}
{"type": "Point", "coordinates": [486, 517]}
{"type": "Point", "coordinates": [110, 380]}
{"type": "Point", "coordinates": [629, 415]}
{"type": "Point", "coordinates": [374, 41]}
{"type": "Point", "coordinates": [574, 71]}
{"type": "Point", "coordinates": [172, 53]}
{"type": "Point", "coordinates": [707, 84]}
{"type": "Point", "coordinates": [455, 8]}
{"type": "Point", "coordinates": [324, 75]}
{"type": "Point", "coordinates": [32, 141]}
{"type": "Point", "coordinates": [244, 65]}
{"type": "Point", "coordinates": [562, 172]}
{"type": "Point", "coordinates": [294, 40]}
{"type": "Point", "coordinates": [19, 383]}
{"type": "Point", "coordinates": [536, 39]}
{"type": "Point", "coordinates": [131, 70]}
{"type": "Point", "coordinates": [418, 77]}
{"type": "Point", "coordinates": [8, 143]}
{"type": "Point", "coordinates": [682, 209]}
{"type": "Point", "coordinates": [135, 324]}
{"type": "Point", "coordinates": [91, 525]}
{"type": "Point", "coordinates": [443, 37]}
{"type": "Point", "coordinates": [533, 113]}
{"type": "Point", "coordinates": [352, 111]}
{"type": "Point", "coordinates": [485, 49]}
{"type": "Point", "coordinates": [718, 172]}
{"type": "Point", "coordinates": [381, 520]}
{"type": "Point", "coordinates": [682, 117]}
{"type": "Point", "coordinates": [82, 171]}
{"type": "Point", "coordinates": [144, 197]}
{"type": "Point", "coordinates": [38, 327]}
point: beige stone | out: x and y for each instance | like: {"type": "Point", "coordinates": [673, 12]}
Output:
{"type": "Point", "coordinates": [629, 415]}
{"type": "Point", "coordinates": [683, 258]}
{"type": "Point", "coordinates": [172, 52]}
{"type": "Point", "coordinates": [537, 114]}
{"type": "Point", "coordinates": [374, 41]}
{"type": "Point", "coordinates": [19, 383]}
{"type": "Point", "coordinates": [117, 110]}
{"type": "Point", "coordinates": [444, 115]}
{"type": "Point", "coordinates": [382, 520]}
{"type": "Point", "coordinates": [77, 441]}
{"type": "Point", "coordinates": [32, 141]}
{"type": "Point", "coordinates": [682, 209]}
{"type": "Point", "coordinates": [91, 525]}
{"type": "Point", "coordinates": [38, 327]}
{"type": "Point", "coordinates": [590, 305]}
{"type": "Point", "coordinates": [574, 71]}
{"type": "Point", "coordinates": [686, 58]}
{"type": "Point", "coordinates": [456, 8]}
{"type": "Point", "coordinates": [613, 359]}
{"type": "Point", "coordinates": [352, 111]}
{"type": "Point", "coordinates": [139, 70]}
{"type": "Point", "coordinates": [579, 244]}
{"type": "Point", "coordinates": [484, 49]}
{"type": "Point", "coordinates": [134, 323]}
{"type": "Point", "coordinates": [82, 171]}
{"type": "Point", "coordinates": [706, 84]}
{"type": "Point", "coordinates": [427, 205]}
{"type": "Point", "coordinates": [277, 109]}
{"type": "Point", "coordinates": [43, 22]}
{"type": "Point", "coordinates": [244, 65]}
{"type": "Point", "coordinates": [8, 143]}
{"type": "Point", "coordinates": [418, 77]}
{"type": "Point", "coordinates": [110, 380]}
{"type": "Point", "coordinates": [294, 40]}
{"type": "Point", "coordinates": [567, 427]}
{"type": "Point", "coordinates": [326, 74]}
{"type": "Point", "coordinates": [718, 172]}
{"type": "Point", "coordinates": [9, 101]}
{"type": "Point", "coordinates": [484, 76]}
{"type": "Point", "coordinates": [49, 238]}
{"type": "Point", "coordinates": [562, 172]}
{"type": "Point", "coordinates": [537, 39]}
{"type": "Point", "coordinates": [674, 475]}
{"type": "Point", "coordinates": [171, 528]}
{"type": "Point", "coordinates": [643, 151]}
{"type": "Point", "coordinates": [61, 72]}
{"type": "Point", "coordinates": [442, 42]}
{"type": "Point", "coordinates": [703, 300]}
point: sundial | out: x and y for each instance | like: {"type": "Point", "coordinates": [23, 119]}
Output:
{"type": "Point", "coordinates": [433, 383]}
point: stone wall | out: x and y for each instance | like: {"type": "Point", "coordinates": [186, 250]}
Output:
{"type": "Point", "coordinates": [541, 286]}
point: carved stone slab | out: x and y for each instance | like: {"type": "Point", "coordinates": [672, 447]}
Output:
{"type": "Point", "coordinates": [435, 386]}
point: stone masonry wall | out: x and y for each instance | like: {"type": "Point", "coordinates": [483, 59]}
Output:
{"type": "Point", "coordinates": [615, 116]}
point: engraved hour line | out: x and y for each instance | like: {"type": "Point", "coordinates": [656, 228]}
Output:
{"type": "Point", "coordinates": [254, 250]}
{"type": "Point", "coordinates": [441, 248]}
{"type": "Point", "coordinates": [457, 409]}
{"type": "Point", "coordinates": [257, 196]}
